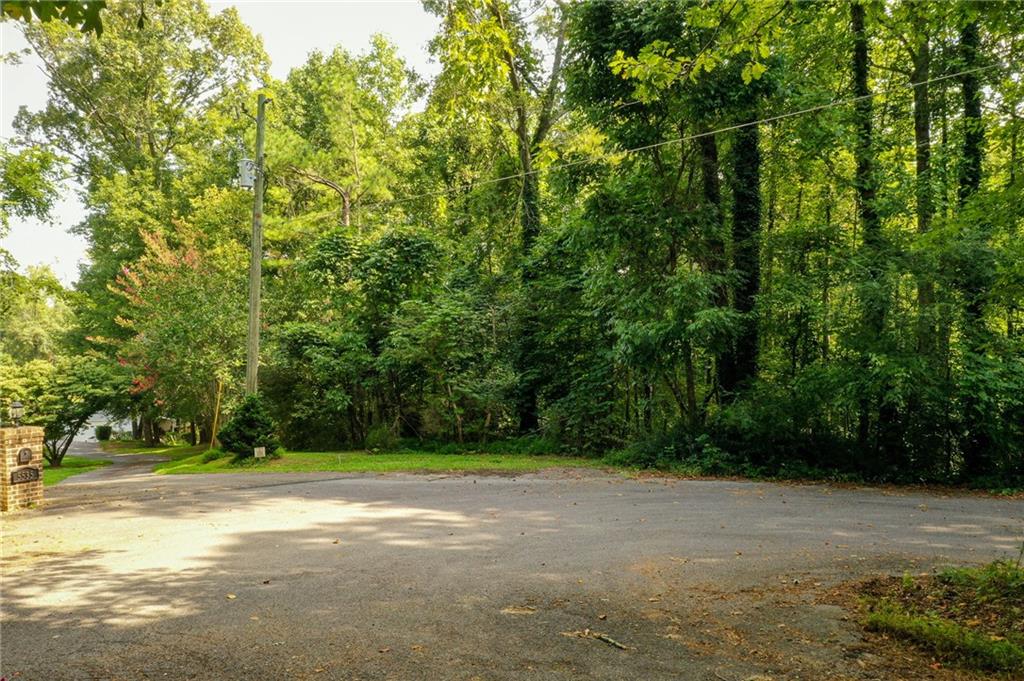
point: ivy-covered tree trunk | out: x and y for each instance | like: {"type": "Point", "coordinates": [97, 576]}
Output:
{"type": "Point", "coordinates": [925, 208]}
{"type": "Point", "coordinates": [527, 144]}
{"type": "Point", "coordinates": [872, 295]}
{"type": "Point", "coordinates": [526, 355]}
{"type": "Point", "coordinates": [746, 254]}
{"type": "Point", "coordinates": [974, 133]}
{"type": "Point", "coordinates": [977, 447]}
{"type": "Point", "coordinates": [717, 263]}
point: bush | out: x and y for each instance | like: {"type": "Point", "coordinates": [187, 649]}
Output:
{"type": "Point", "coordinates": [381, 437]}
{"type": "Point", "coordinates": [250, 426]}
{"type": "Point", "coordinates": [529, 445]}
{"type": "Point", "coordinates": [103, 433]}
{"type": "Point", "coordinates": [213, 455]}
{"type": "Point", "coordinates": [677, 450]}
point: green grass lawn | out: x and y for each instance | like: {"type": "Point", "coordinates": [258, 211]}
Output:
{"type": "Point", "coordinates": [71, 465]}
{"type": "Point", "coordinates": [175, 452]}
{"type": "Point", "coordinates": [365, 462]}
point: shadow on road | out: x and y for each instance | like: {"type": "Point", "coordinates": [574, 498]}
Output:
{"type": "Point", "coordinates": [407, 577]}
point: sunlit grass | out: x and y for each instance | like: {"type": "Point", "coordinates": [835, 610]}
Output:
{"type": "Point", "coordinates": [365, 462]}
{"type": "Point", "coordinates": [71, 465]}
{"type": "Point", "coordinates": [174, 452]}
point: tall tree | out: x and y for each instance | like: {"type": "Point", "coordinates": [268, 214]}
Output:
{"type": "Point", "coordinates": [494, 35]}
{"type": "Point", "coordinates": [873, 297]}
{"type": "Point", "coordinates": [340, 115]}
{"type": "Point", "coordinates": [975, 285]}
{"type": "Point", "coordinates": [746, 251]}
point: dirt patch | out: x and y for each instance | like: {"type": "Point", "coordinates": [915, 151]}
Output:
{"type": "Point", "coordinates": [797, 628]}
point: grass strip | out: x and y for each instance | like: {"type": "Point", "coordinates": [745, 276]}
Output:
{"type": "Point", "coordinates": [71, 465]}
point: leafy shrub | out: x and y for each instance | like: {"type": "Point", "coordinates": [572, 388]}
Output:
{"type": "Point", "coordinates": [998, 583]}
{"type": "Point", "coordinates": [213, 455]}
{"type": "Point", "coordinates": [103, 433]}
{"type": "Point", "coordinates": [529, 445]}
{"type": "Point", "coordinates": [250, 426]}
{"type": "Point", "coordinates": [381, 437]}
{"type": "Point", "coordinates": [677, 449]}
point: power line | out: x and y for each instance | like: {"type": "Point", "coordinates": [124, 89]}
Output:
{"type": "Point", "coordinates": [647, 147]}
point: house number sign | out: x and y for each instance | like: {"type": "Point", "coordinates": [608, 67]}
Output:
{"type": "Point", "coordinates": [24, 475]}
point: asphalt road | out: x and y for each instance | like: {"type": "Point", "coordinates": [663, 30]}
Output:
{"type": "Point", "coordinates": [127, 575]}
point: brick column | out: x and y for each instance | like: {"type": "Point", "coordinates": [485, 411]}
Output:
{"type": "Point", "coordinates": [23, 465]}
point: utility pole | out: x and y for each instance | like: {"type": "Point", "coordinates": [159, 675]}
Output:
{"type": "Point", "coordinates": [256, 257]}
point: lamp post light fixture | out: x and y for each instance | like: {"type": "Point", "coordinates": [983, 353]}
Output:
{"type": "Point", "coordinates": [17, 411]}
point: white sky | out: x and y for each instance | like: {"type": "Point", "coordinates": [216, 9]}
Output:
{"type": "Point", "coordinates": [290, 30]}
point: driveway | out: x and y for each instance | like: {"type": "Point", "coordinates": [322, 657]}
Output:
{"type": "Point", "coordinates": [558, 575]}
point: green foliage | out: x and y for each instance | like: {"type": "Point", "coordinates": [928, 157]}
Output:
{"type": "Point", "coordinates": [185, 312]}
{"type": "Point", "coordinates": [381, 437]}
{"type": "Point", "coordinates": [212, 455]}
{"type": "Point", "coordinates": [35, 315]}
{"type": "Point", "coordinates": [60, 395]}
{"type": "Point", "coordinates": [999, 584]}
{"type": "Point", "coordinates": [28, 183]}
{"type": "Point", "coordinates": [81, 14]}
{"type": "Point", "coordinates": [250, 426]}
{"type": "Point", "coordinates": [103, 433]}
{"type": "Point", "coordinates": [526, 446]}
{"type": "Point", "coordinates": [969, 616]}
{"type": "Point", "coordinates": [571, 238]}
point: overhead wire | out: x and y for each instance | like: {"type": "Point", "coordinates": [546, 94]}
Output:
{"type": "Point", "coordinates": [684, 138]}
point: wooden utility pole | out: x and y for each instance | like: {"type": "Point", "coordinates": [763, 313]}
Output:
{"type": "Point", "coordinates": [256, 258]}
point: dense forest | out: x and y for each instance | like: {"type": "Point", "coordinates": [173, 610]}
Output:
{"type": "Point", "coordinates": [762, 236]}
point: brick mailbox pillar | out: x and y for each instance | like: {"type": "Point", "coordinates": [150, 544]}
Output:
{"type": "Point", "coordinates": [21, 468]}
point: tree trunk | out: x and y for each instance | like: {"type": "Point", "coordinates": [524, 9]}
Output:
{"type": "Point", "coordinates": [526, 359]}
{"type": "Point", "coordinates": [974, 134]}
{"type": "Point", "coordinates": [977, 448]}
{"type": "Point", "coordinates": [717, 264]}
{"type": "Point", "coordinates": [691, 389]}
{"type": "Point", "coordinates": [925, 203]}
{"type": "Point", "coordinates": [746, 254]}
{"type": "Point", "coordinates": [825, 285]}
{"type": "Point", "coordinates": [872, 298]}
{"type": "Point", "coordinates": [150, 432]}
